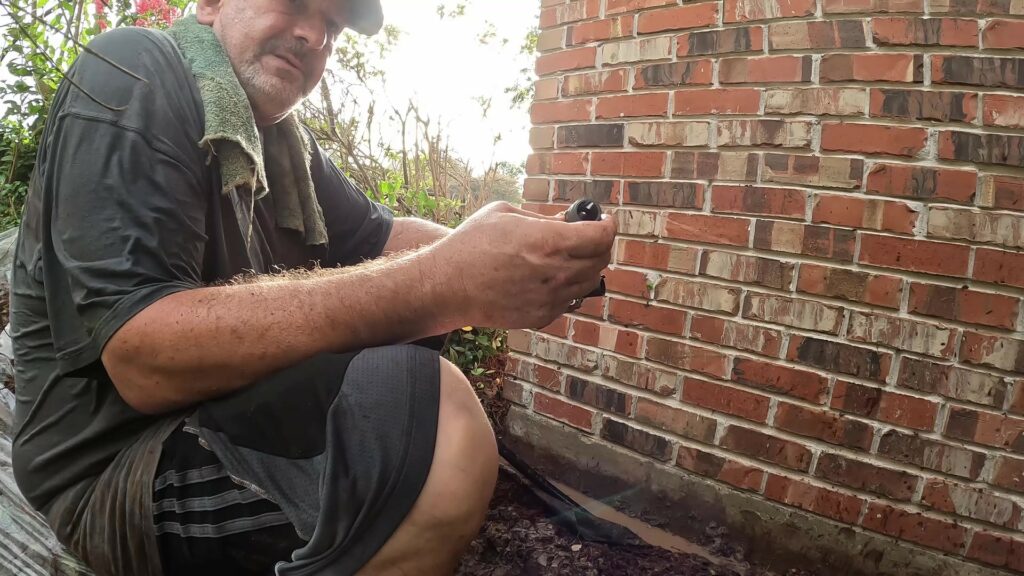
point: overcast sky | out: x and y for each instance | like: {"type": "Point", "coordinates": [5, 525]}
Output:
{"type": "Point", "coordinates": [443, 66]}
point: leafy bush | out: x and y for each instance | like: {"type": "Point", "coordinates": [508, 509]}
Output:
{"type": "Point", "coordinates": [477, 351]}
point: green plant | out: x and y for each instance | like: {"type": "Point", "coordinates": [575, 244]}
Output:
{"type": "Point", "coordinates": [477, 351]}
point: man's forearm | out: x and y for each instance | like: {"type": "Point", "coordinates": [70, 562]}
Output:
{"type": "Point", "coordinates": [413, 233]}
{"type": "Point", "coordinates": [206, 342]}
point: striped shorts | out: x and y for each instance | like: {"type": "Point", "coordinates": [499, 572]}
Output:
{"type": "Point", "coordinates": [309, 471]}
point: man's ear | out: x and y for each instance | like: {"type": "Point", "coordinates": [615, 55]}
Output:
{"type": "Point", "coordinates": [208, 10]}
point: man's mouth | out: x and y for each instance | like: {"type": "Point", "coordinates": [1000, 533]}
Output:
{"type": "Point", "coordinates": [290, 60]}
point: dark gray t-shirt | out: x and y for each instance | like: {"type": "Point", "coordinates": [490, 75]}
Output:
{"type": "Point", "coordinates": [125, 209]}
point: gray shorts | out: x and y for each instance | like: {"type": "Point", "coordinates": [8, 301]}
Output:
{"type": "Point", "coordinates": [309, 471]}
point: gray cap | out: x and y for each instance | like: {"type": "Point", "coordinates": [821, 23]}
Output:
{"type": "Point", "coordinates": [367, 16]}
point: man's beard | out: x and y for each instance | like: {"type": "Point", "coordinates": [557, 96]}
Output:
{"type": "Point", "coordinates": [271, 90]}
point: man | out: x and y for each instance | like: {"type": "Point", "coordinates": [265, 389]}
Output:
{"type": "Point", "coordinates": [172, 421]}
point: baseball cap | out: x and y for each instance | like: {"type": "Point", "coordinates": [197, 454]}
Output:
{"type": "Point", "coordinates": [367, 16]}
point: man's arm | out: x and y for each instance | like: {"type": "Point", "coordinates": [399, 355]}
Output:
{"type": "Point", "coordinates": [502, 267]}
{"type": "Point", "coordinates": [413, 233]}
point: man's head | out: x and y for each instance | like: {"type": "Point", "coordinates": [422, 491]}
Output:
{"type": "Point", "coordinates": [279, 48]}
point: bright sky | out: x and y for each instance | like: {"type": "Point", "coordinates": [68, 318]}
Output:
{"type": "Point", "coordinates": [443, 67]}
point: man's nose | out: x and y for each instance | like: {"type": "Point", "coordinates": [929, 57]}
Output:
{"type": "Point", "coordinates": [313, 31]}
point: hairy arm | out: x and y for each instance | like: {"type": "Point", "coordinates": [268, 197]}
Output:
{"type": "Point", "coordinates": [206, 342]}
{"type": "Point", "coordinates": [413, 233]}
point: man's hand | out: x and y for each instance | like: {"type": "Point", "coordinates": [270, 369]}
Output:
{"type": "Point", "coordinates": [508, 268]}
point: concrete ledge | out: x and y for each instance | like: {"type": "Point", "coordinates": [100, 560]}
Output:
{"type": "Point", "coordinates": [774, 536]}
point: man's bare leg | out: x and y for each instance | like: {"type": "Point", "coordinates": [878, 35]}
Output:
{"type": "Point", "coordinates": [454, 501]}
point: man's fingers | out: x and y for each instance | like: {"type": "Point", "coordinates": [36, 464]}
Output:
{"type": "Point", "coordinates": [590, 239]}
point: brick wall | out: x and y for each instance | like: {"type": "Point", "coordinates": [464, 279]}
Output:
{"type": "Point", "coordinates": [816, 293]}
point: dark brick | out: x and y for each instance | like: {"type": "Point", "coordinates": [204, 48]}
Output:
{"type": "Point", "coordinates": [913, 527]}
{"type": "Point", "coordinates": [590, 136]}
{"type": "Point", "coordinates": [824, 425]}
{"type": "Point", "coordinates": [1003, 149]}
{"type": "Point", "coordinates": [721, 41]}
{"type": "Point", "coordinates": [839, 357]}
{"type": "Point", "coordinates": [598, 396]}
{"type": "Point", "coordinates": [868, 477]}
{"type": "Point", "coordinates": [952, 382]}
{"type": "Point", "coordinates": [667, 194]}
{"type": "Point", "coordinates": [926, 453]}
{"type": "Point", "coordinates": [922, 183]}
{"type": "Point", "coordinates": [978, 71]}
{"type": "Point", "coordinates": [572, 190]}
{"type": "Point", "coordinates": [924, 105]}
{"type": "Point", "coordinates": [768, 448]}
{"type": "Point", "coordinates": [1009, 473]}
{"type": "Point", "coordinates": [821, 241]}
{"type": "Point", "coordinates": [635, 439]}
{"type": "Point", "coordinates": [674, 74]}
{"type": "Point", "coordinates": [713, 165]}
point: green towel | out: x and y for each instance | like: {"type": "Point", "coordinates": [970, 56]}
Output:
{"type": "Point", "coordinates": [277, 164]}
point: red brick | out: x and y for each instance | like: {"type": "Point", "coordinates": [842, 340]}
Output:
{"type": "Point", "coordinates": [565, 111]}
{"type": "Point", "coordinates": [703, 295]}
{"type": "Point", "coordinates": [720, 468]}
{"type": "Point", "coordinates": [997, 550]}
{"type": "Point", "coordinates": [930, 454]}
{"type": "Point", "coordinates": [873, 139]}
{"type": "Point", "coordinates": [559, 327]}
{"type": "Point", "coordinates": [634, 314]}
{"type": "Point", "coordinates": [853, 285]}
{"type": "Point", "coordinates": [620, 6]}
{"type": "Point", "coordinates": [687, 356]}
{"type": "Point", "coordinates": [759, 200]}
{"type": "Point", "coordinates": [657, 256]}
{"type": "Point", "coordinates": [724, 399]}
{"type": "Point", "coordinates": [633, 105]}
{"type": "Point", "coordinates": [824, 425]}
{"type": "Point", "coordinates": [1004, 110]}
{"type": "Point", "coordinates": [595, 82]}
{"type": "Point", "coordinates": [1016, 403]}
{"type": "Point", "coordinates": [873, 6]}
{"type": "Point", "coordinates": [795, 238]}
{"type": "Point", "coordinates": [736, 335]}
{"type": "Point", "coordinates": [639, 375]}
{"type": "Point", "coordinates": [916, 255]}
{"type": "Point", "coordinates": [840, 358]}
{"type": "Point", "coordinates": [861, 475]}
{"type": "Point", "coordinates": [856, 212]}
{"type": "Point", "coordinates": [902, 334]}
{"type": "Point", "coordinates": [997, 430]}
{"type": "Point", "coordinates": [952, 382]}
{"type": "Point", "coordinates": [680, 18]}
{"type": "Point", "coordinates": [991, 350]}
{"type": "Point", "coordinates": [944, 106]}
{"type": "Point", "coordinates": [574, 59]}
{"type": "Point", "coordinates": [871, 67]}
{"type": "Point", "coordinates": [515, 392]}
{"type": "Point", "coordinates": [975, 503]}
{"type": "Point", "coordinates": [680, 422]}
{"type": "Point", "coordinates": [708, 101]}
{"type": "Point", "coordinates": [761, 446]}
{"type": "Point", "coordinates": [689, 73]}
{"type": "Point", "coordinates": [922, 183]}
{"type": "Point", "coordinates": [544, 209]}
{"type": "Point", "coordinates": [829, 503]}
{"type": "Point", "coordinates": [715, 165]}
{"type": "Point", "coordinates": [641, 441]}
{"type": "Point", "coordinates": [707, 229]}
{"type": "Point", "coordinates": [765, 69]}
{"type": "Point", "coordinates": [607, 337]}
{"type": "Point", "coordinates": [1003, 34]}
{"type": "Point", "coordinates": [536, 189]}
{"type": "Point", "coordinates": [1002, 192]}
{"type": "Point", "coordinates": [795, 312]}
{"type": "Point", "coordinates": [928, 32]}
{"type": "Point", "coordinates": [727, 41]}
{"type": "Point", "coordinates": [747, 269]}
{"type": "Point", "coordinates": [999, 267]}
{"type": "Point", "coordinates": [745, 10]}
{"type": "Point", "coordinates": [597, 30]}
{"type": "Point", "coordinates": [965, 305]}
{"type": "Point", "coordinates": [557, 163]}
{"type": "Point", "coordinates": [1009, 473]}
{"type": "Point", "coordinates": [780, 379]}
{"type": "Point", "coordinates": [913, 527]}
{"type": "Point", "coordinates": [563, 411]}
{"type": "Point", "coordinates": [885, 406]}
{"type": "Point", "coordinates": [649, 164]}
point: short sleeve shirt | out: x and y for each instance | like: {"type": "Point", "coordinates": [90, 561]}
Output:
{"type": "Point", "coordinates": [125, 208]}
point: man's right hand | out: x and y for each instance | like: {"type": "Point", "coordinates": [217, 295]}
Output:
{"type": "Point", "coordinates": [508, 268]}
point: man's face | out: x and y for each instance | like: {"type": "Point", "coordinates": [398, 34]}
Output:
{"type": "Point", "coordinates": [278, 48]}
